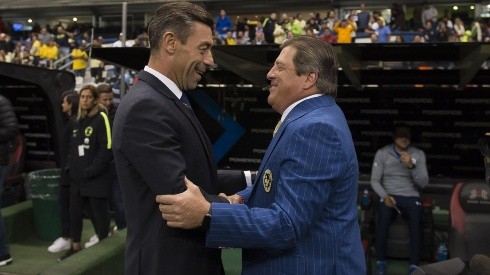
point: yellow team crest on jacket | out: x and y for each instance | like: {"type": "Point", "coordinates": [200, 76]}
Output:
{"type": "Point", "coordinates": [267, 180]}
{"type": "Point", "coordinates": [88, 131]}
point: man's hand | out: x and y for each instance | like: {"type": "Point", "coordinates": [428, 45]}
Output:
{"type": "Point", "coordinates": [406, 159]}
{"type": "Point", "coordinates": [185, 210]}
{"type": "Point", "coordinates": [234, 199]}
{"type": "Point", "coordinates": [389, 201]}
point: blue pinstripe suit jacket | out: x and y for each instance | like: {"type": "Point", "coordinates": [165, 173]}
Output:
{"type": "Point", "coordinates": [307, 222]}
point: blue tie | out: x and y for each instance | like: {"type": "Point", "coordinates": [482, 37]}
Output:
{"type": "Point", "coordinates": [185, 100]}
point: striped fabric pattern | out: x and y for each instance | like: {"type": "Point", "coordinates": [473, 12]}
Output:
{"type": "Point", "coordinates": [306, 222]}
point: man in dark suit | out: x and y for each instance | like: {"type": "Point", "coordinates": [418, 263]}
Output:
{"type": "Point", "coordinates": [300, 216]}
{"type": "Point", "coordinates": [158, 140]}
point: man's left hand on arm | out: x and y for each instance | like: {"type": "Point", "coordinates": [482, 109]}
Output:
{"type": "Point", "coordinates": [185, 210]}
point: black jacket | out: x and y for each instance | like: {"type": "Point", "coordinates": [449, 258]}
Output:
{"type": "Point", "coordinates": [158, 141]}
{"type": "Point", "coordinates": [8, 128]}
{"type": "Point", "coordinates": [90, 156]}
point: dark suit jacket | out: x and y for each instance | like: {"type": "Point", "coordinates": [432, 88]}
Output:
{"type": "Point", "coordinates": [158, 141]}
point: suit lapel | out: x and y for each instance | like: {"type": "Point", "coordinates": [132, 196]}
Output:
{"type": "Point", "coordinates": [300, 110]}
{"type": "Point", "coordinates": [158, 86]}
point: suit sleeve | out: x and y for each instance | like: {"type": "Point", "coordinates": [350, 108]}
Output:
{"type": "Point", "coordinates": [303, 189]}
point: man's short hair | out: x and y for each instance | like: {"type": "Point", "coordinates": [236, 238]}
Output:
{"type": "Point", "coordinates": [104, 88]}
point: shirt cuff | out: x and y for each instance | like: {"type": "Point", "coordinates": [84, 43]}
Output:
{"type": "Point", "coordinates": [248, 177]}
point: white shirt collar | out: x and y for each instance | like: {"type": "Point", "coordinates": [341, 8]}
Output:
{"type": "Point", "coordinates": [288, 109]}
{"type": "Point", "coordinates": [165, 80]}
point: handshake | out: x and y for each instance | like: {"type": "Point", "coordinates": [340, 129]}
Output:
{"type": "Point", "coordinates": [233, 199]}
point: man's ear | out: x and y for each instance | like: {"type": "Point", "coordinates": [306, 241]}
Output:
{"type": "Point", "coordinates": [311, 80]}
{"type": "Point", "coordinates": [169, 41]}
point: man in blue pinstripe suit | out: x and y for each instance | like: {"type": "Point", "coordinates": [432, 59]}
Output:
{"type": "Point", "coordinates": [300, 215]}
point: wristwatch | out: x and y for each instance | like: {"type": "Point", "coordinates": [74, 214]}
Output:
{"type": "Point", "coordinates": [206, 222]}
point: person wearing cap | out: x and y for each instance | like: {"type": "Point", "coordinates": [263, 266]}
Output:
{"type": "Point", "coordinates": [398, 171]}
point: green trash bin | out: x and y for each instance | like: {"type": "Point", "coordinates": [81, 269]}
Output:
{"type": "Point", "coordinates": [42, 188]}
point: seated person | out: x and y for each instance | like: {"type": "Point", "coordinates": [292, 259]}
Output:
{"type": "Point", "coordinates": [398, 171]}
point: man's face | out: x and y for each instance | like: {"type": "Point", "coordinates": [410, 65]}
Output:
{"type": "Point", "coordinates": [194, 58]}
{"type": "Point", "coordinates": [65, 106]}
{"type": "Point", "coordinates": [106, 99]}
{"type": "Point", "coordinates": [402, 142]}
{"type": "Point", "coordinates": [286, 86]}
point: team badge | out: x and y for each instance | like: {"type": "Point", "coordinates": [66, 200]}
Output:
{"type": "Point", "coordinates": [267, 180]}
{"type": "Point", "coordinates": [88, 131]}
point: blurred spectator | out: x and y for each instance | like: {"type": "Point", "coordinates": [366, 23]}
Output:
{"type": "Point", "coordinates": [141, 41]}
{"type": "Point", "coordinates": [330, 19]}
{"type": "Point", "coordinates": [258, 28]}
{"type": "Point", "coordinates": [298, 26]}
{"type": "Point", "coordinates": [240, 39]}
{"type": "Point", "coordinates": [476, 32]}
{"type": "Point", "coordinates": [279, 34]}
{"type": "Point", "coordinates": [284, 19]}
{"type": "Point", "coordinates": [230, 40]}
{"type": "Point", "coordinates": [269, 26]}
{"type": "Point", "coordinates": [363, 17]}
{"type": "Point", "coordinates": [35, 49]}
{"type": "Point", "coordinates": [311, 32]}
{"type": "Point", "coordinates": [45, 36]}
{"type": "Point", "coordinates": [80, 57]}
{"type": "Point", "coordinates": [48, 54]}
{"type": "Point", "coordinates": [399, 39]}
{"type": "Point", "coordinates": [418, 39]}
{"type": "Point", "coordinates": [17, 54]}
{"type": "Point", "coordinates": [217, 40]}
{"type": "Point", "coordinates": [460, 30]}
{"type": "Point", "coordinates": [429, 33]}
{"type": "Point", "coordinates": [374, 38]}
{"type": "Point", "coordinates": [96, 65]}
{"type": "Point", "coordinates": [344, 28]}
{"type": "Point", "coordinates": [442, 32]}
{"type": "Point", "coordinates": [259, 39]}
{"type": "Point", "coordinates": [327, 35]}
{"type": "Point", "coordinates": [398, 21]}
{"type": "Point", "coordinates": [416, 21]}
{"type": "Point", "coordinates": [62, 40]}
{"type": "Point", "coordinates": [383, 32]}
{"type": "Point", "coordinates": [352, 18]}
{"type": "Point", "coordinates": [223, 24]}
{"type": "Point", "coordinates": [313, 23]}
{"type": "Point", "coordinates": [429, 13]}
{"type": "Point", "coordinates": [6, 43]}
{"type": "Point", "coordinates": [119, 43]}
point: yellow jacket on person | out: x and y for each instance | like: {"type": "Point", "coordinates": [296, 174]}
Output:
{"type": "Point", "coordinates": [79, 59]}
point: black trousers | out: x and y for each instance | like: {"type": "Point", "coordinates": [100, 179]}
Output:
{"type": "Point", "coordinates": [100, 210]}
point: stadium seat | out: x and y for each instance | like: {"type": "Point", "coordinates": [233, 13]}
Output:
{"type": "Point", "coordinates": [469, 220]}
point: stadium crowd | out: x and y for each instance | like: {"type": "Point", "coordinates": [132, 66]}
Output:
{"type": "Point", "coordinates": [45, 45]}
